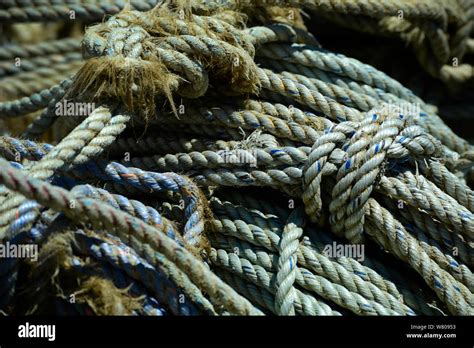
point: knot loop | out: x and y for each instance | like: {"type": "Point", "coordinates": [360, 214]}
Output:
{"type": "Point", "coordinates": [138, 56]}
{"type": "Point", "coordinates": [358, 153]}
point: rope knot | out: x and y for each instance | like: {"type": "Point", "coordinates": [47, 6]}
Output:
{"type": "Point", "coordinates": [358, 154]}
{"type": "Point", "coordinates": [138, 56]}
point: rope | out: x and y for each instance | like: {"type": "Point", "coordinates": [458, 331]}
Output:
{"type": "Point", "coordinates": [306, 256]}
{"type": "Point", "coordinates": [140, 270]}
{"type": "Point", "coordinates": [286, 269]}
{"type": "Point", "coordinates": [87, 141]}
{"type": "Point", "coordinates": [7, 69]}
{"type": "Point", "coordinates": [32, 103]}
{"type": "Point", "coordinates": [119, 223]}
{"type": "Point", "coordinates": [27, 83]}
{"type": "Point", "coordinates": [11, 51]}
{"type": "Point", "coordinates": [58, 11]}
{"type": "Point", "coordinates": [228, 164]}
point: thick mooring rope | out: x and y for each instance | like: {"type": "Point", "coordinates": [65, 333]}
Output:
{"type": "Point", "coordinates": [363, 202]}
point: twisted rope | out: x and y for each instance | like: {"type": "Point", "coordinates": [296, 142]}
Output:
{"type": "Point", "coordinates": [62, 11]}
{"type": "Point", "coordinates": [326, 139]}
{"type": "Point", "coordinates": [102, 216]}
{"type": "Point", "coordinates": [7, 69]}
{"type": "Point", "coordinates": [140, 270]}
{"type": "Point", "coordinates": [87, 141]}
{"type": "Point", "coordinates": [262, 235]}
{"type": "Point", "coordinates": [34, 102]}
{"type": "Point", "coordinates": [286, 269]}
{"type": "Point", "coordinates": [28, 83]}
{"type": "Point", "coordinates": [62, 46]}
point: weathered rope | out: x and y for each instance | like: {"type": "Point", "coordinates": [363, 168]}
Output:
{"type": "Point", "coordinates": [89, 140]}
{"type": "Point", "coordinates": [67, 45]}
{"type": "Point", "coordinates": [412, 23]}
{"type": "Point", "coordinates": [34, 102]}
{"type": "Point", "coordinates": [27, 83]}
{"type": "Point", "coordinates": [286, 275]}
{"type": "Point", "coordinates": [138, 269]}
{"type": "Point", "coordinates": [305, 255]}
{"type": "Point", "coordinates": [121, 224]}
{"type": "Point", "coordinates": [158, 185]}
{"type": "Point", "coordinates": [62, 11]}
{"type": "Point", "coordinates": [31, 64]}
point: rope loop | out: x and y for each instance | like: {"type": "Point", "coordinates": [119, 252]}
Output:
{"type": "Point", "coordinates": [163, 51]}
{"type": "Point", "coordinates": [358, 153]}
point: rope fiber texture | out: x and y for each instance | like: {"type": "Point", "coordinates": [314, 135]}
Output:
{"type": "Point", "coordinates": [198, 159]}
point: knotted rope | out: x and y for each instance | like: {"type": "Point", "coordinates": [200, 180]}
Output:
{"type": "Point", "coordinates": [367, 147]}
{"type": "Point", "coordinates": [222, 107]}
{"type": "Point", "coordinates": [161, 53]}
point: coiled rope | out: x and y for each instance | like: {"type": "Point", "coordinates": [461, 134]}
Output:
{"type": "Point", "coordinates": [342, 154]}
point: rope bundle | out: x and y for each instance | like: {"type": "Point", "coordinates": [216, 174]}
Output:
{"type": "Point", "coordinates": [440, 32]}
{"type": "Point", "coordinates": [148, 205]}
